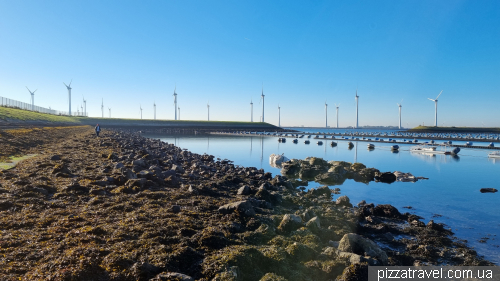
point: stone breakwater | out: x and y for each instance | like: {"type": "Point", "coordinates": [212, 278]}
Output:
{"type": "Point", "coordinates": [122, 207]}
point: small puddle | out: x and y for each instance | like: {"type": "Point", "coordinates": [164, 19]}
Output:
{"type": "Point", "coordinates": [13, 161]}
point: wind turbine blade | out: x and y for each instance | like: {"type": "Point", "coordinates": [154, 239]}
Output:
{"type": "Point", "coordinates": [70, 82]}
{"type": "Point", "coordinates": [439, 94]}
{"type": "Point", "coordinates": [431, 99]}
{"type": "Point", "coordinates": [35, 91]}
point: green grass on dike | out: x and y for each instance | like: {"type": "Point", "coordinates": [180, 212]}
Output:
{"type": "Point", "coordinates": [13, 114]}
{"type": "Point", "coordinates": [8, 113]}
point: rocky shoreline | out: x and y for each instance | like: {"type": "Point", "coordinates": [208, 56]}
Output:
{"type": "Point", "coordinates": [123, 207]}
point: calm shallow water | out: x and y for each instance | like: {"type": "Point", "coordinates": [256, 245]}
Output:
{"type": "Point", "coordinates": [451, 195]}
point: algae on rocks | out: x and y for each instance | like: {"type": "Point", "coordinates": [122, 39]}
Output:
{"type": "Point", "coordinates": [331, 173]}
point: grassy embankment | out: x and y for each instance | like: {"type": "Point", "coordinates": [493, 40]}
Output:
{"type": "Point", "coordinates": [20, 117]}
{"type": "Point", "coordinates": [16, 115]}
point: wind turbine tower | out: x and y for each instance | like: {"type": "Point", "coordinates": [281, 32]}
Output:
{"type": "Point", "coordinates": [326, 115]}
{"type": "Point", "coordinates": [69, 94]}
{"type": "Point", "coordinates": [279, 115]}
{"type": "Point", "coordinates": [102, 108]}
{"type": "Point", "coordinates": [81, 105]}
{"type": "Point", "coordinates": [179, 112]}
{"type": "Point", "coordinates": [399, 105]}
{"type": "Point", "coordinates": [337, 107]}
{"type": "Point", "coordinates": [154, 105]}
{"type": "Point", "coordinates": [109, 108]}
{"type": "Point", "coordinates": [175, 102]}
{"type": "Point", "coordinates": [262, 97]}
{"type": "Point", "coordinates": [251, 110]}
{"type": "Point", "coordinates": [436, 112]}
{"type": "Point", "coordinates": [85, 106]}
{"type": "Point", "coordinates": [357, 102]}
{"type": "Point", "coordinates": [32, 98]}
{"type": "Point", "coordinates": [140, 106]}
{"type": "Point", "coordinates": [208, 108]}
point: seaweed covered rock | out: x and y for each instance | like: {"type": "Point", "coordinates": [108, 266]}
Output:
{"type": "Point", "coordinates": [320, 191]}
{"type": "Point", "coordinates": [242, 207]}
{"type": "Point", "coordinates": [169, 276]}
{"type": "Point", "coordinates": [331, 178]}
{"type": "Point", "coordinates": [388, 211]}
{"type": "Point", "coordinates": [272, 277]}
{"type": "Point", "coordinates": [313, 161]}
{"type": "Point", "coordinates": [360, 245]}
{"type": "Point", "coordinates": [290, 222]}
{"type": "Point", "coordinates": [386, 177]}
{"type": "Point", "coordinates": [343, 201]}
{"type": "Point", "coordinates": [291, 168]}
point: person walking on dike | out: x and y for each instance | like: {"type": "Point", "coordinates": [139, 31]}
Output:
{"type": "Point", "coordinates": [97, 129]}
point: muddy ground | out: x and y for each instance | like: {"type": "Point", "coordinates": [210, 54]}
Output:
{"type": "Point", "coordinates": [122, 207]}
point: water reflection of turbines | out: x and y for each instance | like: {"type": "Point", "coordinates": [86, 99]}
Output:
{"type": "Point", "coordinates": [251, 144]}
{"type": "Point", "coordinates": [325, 149]}
{"type": "Point", "coordinates": [261, 150]}
{"type": "Point", "coordinates": [356, 153]}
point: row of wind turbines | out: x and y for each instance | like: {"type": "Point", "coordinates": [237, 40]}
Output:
{"type": "Point", "coordinates": [68, 87]}
{"type": "Point", "coordinates": [178, 109]}
{"type": "Point", "coordinates": [357, 115]}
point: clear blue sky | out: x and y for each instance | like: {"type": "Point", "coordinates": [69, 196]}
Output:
{"type": "Point", "coordinates": [133, 53]}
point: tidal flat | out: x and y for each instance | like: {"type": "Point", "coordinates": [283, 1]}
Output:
{"type": "Point", "coordinates": [124, 207]}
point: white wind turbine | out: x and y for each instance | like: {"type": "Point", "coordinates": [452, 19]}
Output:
{"type": "Point", "coordinates": [32, 98]}
{"type": "Point", "coordinates": [326, 115]}
{"type": "Point", "coordinates": [357, 102]}
{"type": "Point", "coordinates": [154, 105]}
{"type": "Point", "coordinates": [109, 108]}
{"type": "Point", "coordinates": [102, 108]}
{"type": "Point", "coordinates": [140, 106]}
{"type": "Point", "coordinates": [436, 112]}
{"type": "Point", "coordinates": [399, 105]}
{"type": "Point", "coordinates": [175, 102]}
{"type": "Point", "coordinates": [337, 107]}
{"type": "Point", "coordinates": [85, 106]}
{"type": "Point", "coordinates": [81, 105]}
{"type": "Point", "coordinates": [208, 109]}
{"type": "Point", "coordinates": [279, 115]}
{"type": "Point", "coordinates": [69, 94]}
{"type": "Point", "coordinates": [262, 98]}
{"type": "Point", "coordinates": [251, 110]}
{"type": "Point", "coordinates": [179, 112]}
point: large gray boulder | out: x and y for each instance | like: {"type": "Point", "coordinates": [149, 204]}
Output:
{"type": "Point", "coordinates": [172, 276]}
{"type": "Point", "coordinates": [139, 162]}
{"type": "Point", "coordinates": [290, 222]}
{"type": "Point", "coordinates": [242, 207]}
{"type": "Point", "coordinates": [331, 178]}
{"type": "Point", "coordinates": [354, 243]}
{"type": "Point", "coordinates": [343, 201]}
{"type": "Point", "coordinates": [316, 161]}
{"type": "Point", "coordinates": [314, 224]}
{"type": "Point", "coordinates": [244, 190]}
